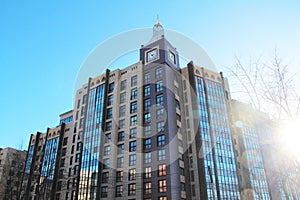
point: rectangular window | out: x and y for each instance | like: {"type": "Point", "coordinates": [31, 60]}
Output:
{"type": "Point", "coordinates": [123, 85]}
{"type": "Point", "coordinates": [161, 140]}
{"type": "Point", "coordinates": [147, 118]}
{"type": "Point", "coordinates": [119, 190]}
{"type": "Point", "coordinates": [107, 137]}
{"type": "Point", "coordinates": [132, 133]}
{"type": "Point", "coordinates": [120, 148]}
{"type": "Point", "coordinates": [159, 86]}
{"type": "Point", "coordinates": [147, 188]}
{"type": "Point", "coordinates": [158, 73]}
{"type": "Point", "coordinates": [146, 90]}
{"type": "Point", "coordinates": [160, 100]}
{"type": "Point", "coordinates": [160, 113]}
{"type": "Point", "coordinates": [108, 126]}
{"type": "Point", "coordinates": [123, 97]}
{"type": "Point", "coordinates": [132, 146]}
{"type": "Point", "coordinates": [105, 177]}
{"type": "Point", "coordinates": [110, 100]}
{"type": "Point", "coordinates": [121, 123]}
{"type": "Point", "coordinates": [147, 158]}
{"type": "Point", "coordinates": [133, 81]}
{"type": "Point", "coordinates": [104, 191]}
{"type": "Point", "coordinates": [111, 87]}
{"type": "Point", "coordinates": [162, 170]}
{"type": "Point", "coordinates": [147, 78]}
{"type": "Point", "coordinates": [106, 150]}
{"type": "Point", "coordinates": [119, 176]}
{"type": "Point", "coordinates": [109, 113]}
{"type": "Point", "coordinates": [147, 130]}
{"type": "Point", "coordinates": [147, 104]}
{"type": "Point", "coordinates": [133, 107]}
{"type": "Point", "coordinates": [132, 189]}
{"type": "Point", "coordinates": [133, 120]}
{"type": "Point", "coordinates": [120, 162]}
{"type": "Point", "coordinates": [106, 163]}
{"type": "Point", "coordinates": [121, 136]}
{"type": "Point", "coordinates": [132, 174]}
{"type": "Point", "coordinates": [162, 186]}
{"type": "Point", "coordinates": [122, 111]}
{"type": "Point", "coordinates": [133, 94]}
{"type": "Point", "coordinates": [132, 160]}
{"type": "Point", "coordinates": [160, 126]}
{"type": "Point", "coordinates": [147, 172]}
{"type": "Point", "coordinates": [147, 143]}
{"type": "Point", "coordinates": [161, 154]}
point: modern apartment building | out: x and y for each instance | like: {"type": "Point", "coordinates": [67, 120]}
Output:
{"type": "Point", "coordinates": [153, 130]}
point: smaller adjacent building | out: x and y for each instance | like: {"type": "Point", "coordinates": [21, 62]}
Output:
{"type": "Point", "coordinates": [12, 163]}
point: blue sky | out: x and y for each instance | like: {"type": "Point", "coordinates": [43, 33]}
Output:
{"type": "Point", "coordinates": [42, 46]}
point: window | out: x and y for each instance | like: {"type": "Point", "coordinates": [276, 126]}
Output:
{"type": "Point", "coordinates": [120, 148]}
{"type": "Point", "coordinates": [147, 104]}
{"type": "Point", "coordinates": [177, 104]}
{"type": "Point", "coordinates": [162, 186]}
{"type": "Point", "coordinates": [133, 107]}
{"type": "Point", "coordinates": [65, 142]}
{"type": "Point", "coordinates": [148, 172]}
{"type": "Point", "coordinates": [104, 191]}
{"type": "Point", "coordinates": [147, 143]}
{"type": "Point", "coordinates": [109, 113]}
{"type": "Point", "coordinates": [160, 126]}
{"type": "Point", "coordinates": [162, 170]}
{"type": "Point", "coordinates": [163, 198]}
{"type": "Point", "coordinates": [160, 100]}
{"type": "Point", "coordinates": [133, 94]}
{"type": "Point", "coordinates": [122, 111]}
{"type": "Point", "coordinates": [81, 123]}
{"type": "Point", "coordinates": [161, 154]}
{"type": "Point", "coordinates": [147, 157]}
{"type": "Point", "coordinates": [121, 136]}
{"type": "Point", "coordinates": [146, 90]}
{"type": "Point", "coordinates": [121, 123]}
{"type": "Point", "coordinates": [110, 100]}
{"type": "Point", "coordinates": [107, 137]}
{"type": "Point", "coordinates": [108, 126]}
{"type": "Point", "coordinates": [106, 163]}
{"type": "Point", "coordinates": [158, 73]}
{"type": "Point", "coordinates": [106, 150]}
{"type": "Point", "coordinates": [147, 118]}
{"type": "Point", "coordinates": [161, 140]}
{"type": "Point", "coordinates": [123, 85]}
{"type": "Point", "coordinates": [119, 190]}
{"type": "Point", "coordinates": [147, 78]}
{"type": "Point", "coordinates": [132, 146]}
{"type": "Point", "coordinates": [111, 87]}
{"type": "Point", "coordinates": [159, 86]}
{"type": "Point", "coordinates": [147, 188]}
{"type": "Point", "coordinates": [120, 162]}
{"type": "Point", "coordinates": [160, 113]}
{"type": "Point", "coordinates": [78, 146]}
{"type": "Point", "coordinates": [147, 130]}
{"type": "Point", "coordinates": [132, 133]}
{"type": "Point", "coordinates": [133, 120]}
{"type": "Point", "coordinates": [132, 189]}
{"type": "Point", "coordinates": [119, 176]}
{"type": "Point", "coordinates": [77, 159]}
{"type": "Point", "coordinates": [133, 80]}
{"type": "Point", "coordinates": [105, 177]}
{"type": "Point", "coordinates": [132, 160]}
{"type": "Point", "coordinates": [132, 174]}
{"type": "Point", "coordinates": [123, 97]}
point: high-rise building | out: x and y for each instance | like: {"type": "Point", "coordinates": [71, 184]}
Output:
{"type": "Point", "coordinates": [12, 163]}
{"type": "Point", "coordinates": [152, 130]}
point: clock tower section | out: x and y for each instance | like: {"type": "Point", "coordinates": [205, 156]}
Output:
{"type": "Point", "coordinates": [162, 89]}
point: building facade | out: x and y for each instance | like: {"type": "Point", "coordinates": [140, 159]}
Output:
{"type": "Point", "coordinates": [152, 130]}
{"type": "Point", "coordinates": [12, 162]}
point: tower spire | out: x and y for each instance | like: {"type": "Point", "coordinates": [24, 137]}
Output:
{"type": "Point", "coordinates": [158, 30]}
